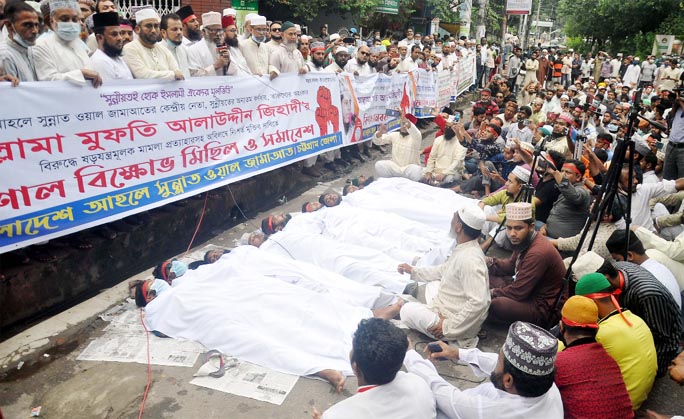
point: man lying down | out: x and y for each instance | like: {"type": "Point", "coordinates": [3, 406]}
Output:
{"type": "Point", "coordinates": [269, 310]}
{"type": "Point", "coordinates": [413, 200]}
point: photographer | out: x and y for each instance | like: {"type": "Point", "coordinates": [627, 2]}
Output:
{"type": "Point", "coordinates": [674, 153]}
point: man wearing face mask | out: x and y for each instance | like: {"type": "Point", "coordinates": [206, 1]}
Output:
{"type": "Point", "coordinates": [286, 58]}
{"type": "Point", "coordinates": [648, 70]}
{"type": "Point", "coordinates": [61, 55]}
{"type": "Point", "coordinates": [107, 59]}
{"type": "Point", "coordinates": [209, 57]}
{"type": "Point", "coordinates": [17, 59]}
{"type": "Point", "coordinates": [447, 158]}
{"type": "Point", "coordinates": [147, 58]}
{"type": "Point", "coordinates": [254, 48]}
{"type": "Point", "coordinates": [172, 32]}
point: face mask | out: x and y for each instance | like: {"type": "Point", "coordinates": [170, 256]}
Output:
{"type": "Point", "coordinates": [419, 61]}
{"type": "Point", "coordinates": [19, 40]}
{"type": "Point", "coordinates": [68, 31]}
{"type": "Point", "coordinates": [179, 268]}
{"type": "Point", "coordinates": [430, 62]}
{"type": "Point", "coordinates": [259, 39]}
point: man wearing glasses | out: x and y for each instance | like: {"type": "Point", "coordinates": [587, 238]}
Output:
{"type": "Point", "coordinates": [209, 57]}
{"type": "Point", "coordinates": [254, 48]}
{"type": "Point", "coordinates": [359, 65]}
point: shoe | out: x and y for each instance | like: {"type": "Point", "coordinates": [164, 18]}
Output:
{"type": "Point", "coordinates": [330, 166]}
{"type": "Point", "coordinates": [359, 157]}
{"type": "Point", "coordinates": [341, 163]}
{"type": "Point", "coordinates": [311, 171]}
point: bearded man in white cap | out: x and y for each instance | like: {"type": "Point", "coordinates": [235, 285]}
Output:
{"type": "Point", "coordinates": [526, 285]}
{"type": "Point", "coordinates": [341, 58]}
{"type": "Point", "coordinates": [285, 57]}
{"type": "Point", "coordinates": [254, 48]}
{"type": "Point", "coordinates": [147, 58]}
{"type": "Point", "coordinates": [61, 55]}
{"type": "Point", "coordinates": [521, 378]}
{"type": "Point", "coordinates": [457, 294]}
{"type": "Point", "coordinates": [209, 57]}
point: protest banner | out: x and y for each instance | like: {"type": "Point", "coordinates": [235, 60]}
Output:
{"type": "Point", "coordinates": [73, 157]}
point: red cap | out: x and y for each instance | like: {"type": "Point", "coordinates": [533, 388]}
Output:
{"type": "Point", "coordinates": [227, 21]}
{"type": "Point", "coordinates": [412, 118]}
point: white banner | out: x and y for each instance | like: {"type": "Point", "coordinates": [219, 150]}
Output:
{"type": "Point", "coordinates": [663, 44]}
{"type": "Point", "coordinates": [75, 157]}
{"type": "Point", "coordinates": [518, 7]}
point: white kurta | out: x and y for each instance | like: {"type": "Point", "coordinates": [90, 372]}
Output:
{"type": "Point", "coordinates": [258, 319]}
{"type": "Point", "coordinates": [18, 61]}
{"type": "Point", "coordinates": [463, 297]}
{"type": "Point", "coordinates": [201, 58]}
{"type": "Point", "coordinates": [447, 157]}
{"type": "Point", "coordinates": [238, 64]}
{"type": "Point", "coordinates": [405, 397]}
{"type": "Point", "coordinates": [59, 60]}
{"type": "Point", "coordinates": [483, 401]}
{"type": "Point", "coordinates": [361, 264]}
{"type": "Point", "coordinates": [150, 63]}
{"type": "Point", "coordinates": [180, 53]}
{"type": "Point", "coordinates": [110, 68]}
{"type": "Point", "coordinates": [283, 60]}
{"type": "Point", "coordinates": [354, 67]}
{"type": "Point", "coordinates": [256, 56]}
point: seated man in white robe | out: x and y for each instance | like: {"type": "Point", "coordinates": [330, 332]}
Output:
{"type": "Point", "coordinates": [266, 321]}
{"type": "Point", "coordinates": [406, 149]}
{"type": "Point", "coordinates": [61, 55]}
{"type": "Point", "coordinates": [457, 293]}
{"type": "Point", "coordinates": [107, 60]}
{"type": "Point", "coordinates": [362, 264]}
{"type": "Point", "coordinates": [521, 374]}
{"type": "Point", "coordinates": [378, 350]}
{"type": "Point", "coordinates": [209, 57]}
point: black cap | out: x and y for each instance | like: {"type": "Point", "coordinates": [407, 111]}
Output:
{"type": "Point", "coordinates": [101, 20]}
{"type": "Point", "coordinates": [185, 11]}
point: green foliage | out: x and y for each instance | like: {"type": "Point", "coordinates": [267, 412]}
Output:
{"type": "Point", "coordinates": [443, 10]}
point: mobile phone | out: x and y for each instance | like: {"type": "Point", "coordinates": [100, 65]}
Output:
{"type": "Point", "coordinates": [660, 145]}
{"type": "Point", "coordinates": [391, 112]}
{"type": "Point", "coordinates": [457, 117]}
{"type": "Point", "coordinates": [434, 347]}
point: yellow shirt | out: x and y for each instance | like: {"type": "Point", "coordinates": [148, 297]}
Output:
{"type": "Point", "coordinates": [633, 350]}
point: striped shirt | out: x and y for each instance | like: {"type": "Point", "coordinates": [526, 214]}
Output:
{"type": "Point", "coordinates": [648, 298]}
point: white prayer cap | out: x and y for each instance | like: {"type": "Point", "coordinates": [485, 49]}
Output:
{"type": "Point", "coordinates": [146, 14]}
{"type": "Point", "coordinates": [588, 263]}
{"type": "Point", "coordinates": [527, 147]}
{"type": "Point", "coordinates": [472, 215]}
{"type": "Point", "coordinates": [230, 12]}
{"type": "Point", "coordinates": [341, 49]}
{"type": "Point", "coordinates": [35, 5]}
{"type": "Point", "coordinates": [249, 17]}
{"type": "Point", "coordinates": [211, 18]}
{"type": "Point", "coordinates": [334, 37]}
{"type": "Point", "coordinates": [258, 20]}
{"type": "Point", "coordinates": [305, 37]}
{"type": "Point", "coordinates": [402, 44]}
{"type": "Point", "coordinates": [519, 211]}
{"type": "Point", "coordinates": [521, 173]}
{"type": "Point", "coordinates": [63, 4]}
{"type": "Point", "coordinates": [298, 28]}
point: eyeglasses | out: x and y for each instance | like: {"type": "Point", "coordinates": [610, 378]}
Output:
{"type": "Point", "coordinates": [364, 53]}
{"type": "Point", "coordinates": [499, 96]}
{"type": "Point", "coordinates": [276, 30]}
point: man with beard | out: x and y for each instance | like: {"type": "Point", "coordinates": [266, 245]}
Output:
{"type": "Point", "coordinates": [191, 25]}
{"type": "Point", "coordinates": [521, 377]}
{"type": "Point", "coordinates": [392, 64]}
{"type": "Point", "coordinates": [341, 57]}
{"type": "Point", "coordinates": [23, 27]}
{"type": "Point", "coordinates": [374, 60]}
{"type": "Point", "coordinates": [571, 210]}
{"type": "Point", "coordinates": [317, 63]}
{"type": "Point", "coordinates": [560, 139]}
{"type": "Point", "coordinates": [238, 65]}
{"type": "Point", "coordinates": [525, 286]}
{"type": "Point", "coordinates": [147, 58]}
{"type": "Point", "coordinates": [210, 57]}
{"type": "Point", "coordinates": [60, 54]}
{"type": "Point", "coordinates": [107, 60]}
{"type": "Point", "coordinates": [447, 158]}
{"type": "Point", "coordinates": [276, 31]}
{"type": "Point", "coordinates": [580, 387]}
{"type": "Point", "coordinates": [172, 32]}
{"type": "Point", "coordinates": [304, 47]}
{"type": "Point", "coordinates": [406, 148]}
{"type": "Point", "coordinates": [286, 58]}
{"type": "Point", "coordinates": [457, 294]}
{"type": "Point", "coordinates": [254, 48]}
{"type": "Point", "coordinates": [359, 66]}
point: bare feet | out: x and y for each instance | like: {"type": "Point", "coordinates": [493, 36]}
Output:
{"type": "Point", "coordinates": [390, 311]}
{"type": "Point", "coordinates": [335, 378]}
